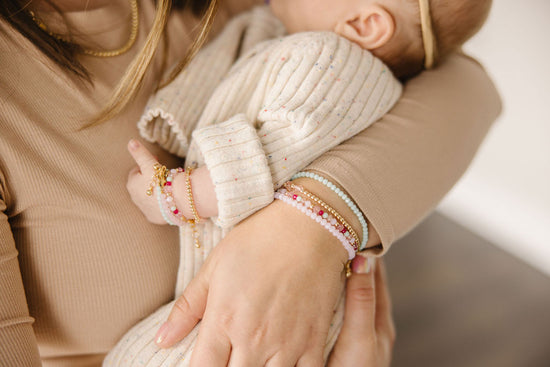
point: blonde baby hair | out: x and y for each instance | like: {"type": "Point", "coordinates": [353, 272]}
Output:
{"type": "Point", "coordinates": [449, 23]}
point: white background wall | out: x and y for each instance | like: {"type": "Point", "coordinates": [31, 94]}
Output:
{"type": "Point", "coordinates": [505, 195]}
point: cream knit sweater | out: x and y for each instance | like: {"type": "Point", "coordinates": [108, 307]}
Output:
{"type": "Point", "coordinates": [254, 124]}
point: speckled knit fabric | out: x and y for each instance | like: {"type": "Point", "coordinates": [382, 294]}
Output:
{"type": "Point", "coordinates": [254, 124]}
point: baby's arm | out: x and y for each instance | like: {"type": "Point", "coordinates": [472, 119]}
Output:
{"type": "Point", "coordinates": [315, 91]}
{"type": "Point", "coordinates": [140, 182]}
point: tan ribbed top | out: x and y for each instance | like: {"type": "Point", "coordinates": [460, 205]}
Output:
{"type": "Point", "coordinates": [76, 254]}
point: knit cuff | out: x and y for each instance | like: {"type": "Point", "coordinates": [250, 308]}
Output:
{"type": "Point", "coordinates": [238, 167]}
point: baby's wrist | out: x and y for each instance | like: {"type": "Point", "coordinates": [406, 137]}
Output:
{"type": "Point", "coordinates": [202, 190]}
{"type": "Point", "coordinates": [180, 195]}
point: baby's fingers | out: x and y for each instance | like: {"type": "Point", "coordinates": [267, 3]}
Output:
{"type": "Point", "coordinates": [144, 159]}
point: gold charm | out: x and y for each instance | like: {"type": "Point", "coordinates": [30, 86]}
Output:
{"type": "Point", "coordinates": [158, 178]}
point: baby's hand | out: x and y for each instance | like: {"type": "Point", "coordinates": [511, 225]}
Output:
{"type": "Point", "coordinates": [139, 180]}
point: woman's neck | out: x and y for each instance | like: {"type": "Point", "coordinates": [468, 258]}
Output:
{"type": "Point", "coordinates": [94, 24]}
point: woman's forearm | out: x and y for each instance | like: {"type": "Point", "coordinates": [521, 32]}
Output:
{"type": "Point", "coordinates": [398, 169]}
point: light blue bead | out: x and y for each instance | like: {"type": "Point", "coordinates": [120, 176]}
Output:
{"type": "Point", "coordinates": [344, 197]}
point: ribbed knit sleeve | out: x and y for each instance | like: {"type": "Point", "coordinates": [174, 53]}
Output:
{"type": "Point", "coordinates": [171, 115]}
{"type": "Point", "coordinates": [17, 341]}
{"type": "Point", "coordinates": [303, 95]}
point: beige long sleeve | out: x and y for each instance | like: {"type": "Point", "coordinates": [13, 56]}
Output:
{"type": "Point", "coordinates": [399, 168]}
{"type": "Point", "coordinates": [17, 342]}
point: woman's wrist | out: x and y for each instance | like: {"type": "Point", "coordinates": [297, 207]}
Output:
{"type": "Point", "coordinates": [317, 240]}
{"type": "Point", "coordinates": [319, 211]}
{"type": "Point", "coordinates": [336, 202]}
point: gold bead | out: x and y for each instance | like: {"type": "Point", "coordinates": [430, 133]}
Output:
{"type": "Point", "coordinates": [348, 269]}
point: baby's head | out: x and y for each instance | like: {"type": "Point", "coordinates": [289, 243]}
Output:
{"type": "Point", "coordinates": [391, 29]}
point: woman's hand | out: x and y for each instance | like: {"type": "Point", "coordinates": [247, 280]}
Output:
{"type": "Point", "coordinates": [139, 180]}
{"type": "Point", "coordinates": [265, 294]}
{"type": "Point", "coordinates": [368, 332]}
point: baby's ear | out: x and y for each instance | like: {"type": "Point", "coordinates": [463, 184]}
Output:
{"type": "Point", "coordinates": [371, 27]}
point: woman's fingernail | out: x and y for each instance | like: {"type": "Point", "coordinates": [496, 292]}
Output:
{"type": "Point", "coordinates": [371, 262]}
{"type": "Point", "coordinates": [134, 144]}
{"type": "Point", "coordinates": [359, 264]}
{"type": "Point", "coordinates": [362, 264]}
{"type": "Point", "coordinates": [162, 333]}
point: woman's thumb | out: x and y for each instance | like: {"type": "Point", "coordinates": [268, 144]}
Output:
{"type": "Point", "coordinates": [359, 320]}
{"type": "Point", "coordinates": [187, 310]}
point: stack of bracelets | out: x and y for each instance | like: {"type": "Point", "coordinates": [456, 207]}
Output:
{"type": "Point", "coordinates": [162, 184]}
{"type": "Point", "coordinates": [323, 214]}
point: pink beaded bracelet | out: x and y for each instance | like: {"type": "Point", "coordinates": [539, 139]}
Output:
{"type": "Point", "coordinates": [167, 204]}
{"type": "Point", "coordinates": [323, 218]}
{"type": "Point", "coordinates": [162, 182]}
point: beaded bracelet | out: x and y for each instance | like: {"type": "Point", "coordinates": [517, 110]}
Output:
{"type": "Point", "coordinates": [330, 222]}
{"type": "Point", "coordinates": [162, 183]}
{"type": "Point", "coordinates": [160, 201]}
{"type": "Point", "coordinates": [345, 198]}
{"type": "Point", "coordinates": [344, 226]}
{"type": "Point", "coordinates": [196, 219]}
{"type": "Point", "coordinates": [169, 209]}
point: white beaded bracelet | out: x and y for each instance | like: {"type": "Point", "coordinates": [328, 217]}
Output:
{"type": "Point", "coordinates": [161, 206]}
{"type": "Point", "coordinates": [322, 221]}
{"type": "Point", "coordinates": [166, 202]}
{"type": "Point", "coordinates": [344, 197]}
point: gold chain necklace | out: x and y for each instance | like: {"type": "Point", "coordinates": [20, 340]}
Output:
{"type": "Point", "coordinates": [99, 53]}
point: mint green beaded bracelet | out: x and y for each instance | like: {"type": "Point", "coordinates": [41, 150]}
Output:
{"type": "Point", "coordinates": [344, 197]}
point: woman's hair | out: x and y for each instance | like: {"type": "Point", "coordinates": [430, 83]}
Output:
{"type": "Point", "coordinates": [65, 54]}
{"type": "Point", "coordinates": [61, 52]}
